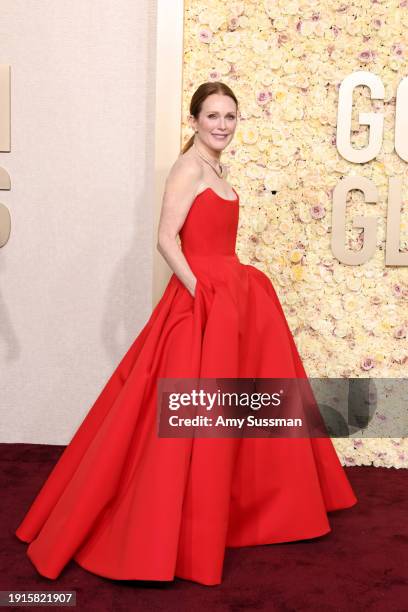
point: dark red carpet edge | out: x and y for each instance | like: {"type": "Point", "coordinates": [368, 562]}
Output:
{"type": "Point", "coordinates": [362, 564]}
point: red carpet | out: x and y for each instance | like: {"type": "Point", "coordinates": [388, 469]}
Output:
{"type": "Point", "coordinates": [360, 565]}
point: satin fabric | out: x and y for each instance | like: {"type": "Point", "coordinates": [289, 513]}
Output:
{"type": "Point", "coordinates": [126, 504]}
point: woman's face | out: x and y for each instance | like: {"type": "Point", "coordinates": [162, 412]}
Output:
{"type": "Point", "coordinates": [216, 122]}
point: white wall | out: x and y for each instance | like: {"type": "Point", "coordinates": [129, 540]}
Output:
{"type": "Point", "coordinates": [76, 274]}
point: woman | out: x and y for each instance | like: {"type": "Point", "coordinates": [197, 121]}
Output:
{"type": "Point", "coordinates": [126, 503]}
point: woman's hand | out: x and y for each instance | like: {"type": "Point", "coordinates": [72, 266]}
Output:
{"type": "Point", "coordinates": [193, 293]}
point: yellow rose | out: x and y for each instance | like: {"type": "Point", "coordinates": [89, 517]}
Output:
{"type": "Point", "coordinates": [249, 135]}
{"type": "Point", "coordinates": [297, 273]}
{"type": "Point", "coordinates": [280, 96]}
{"type": "Point", "coordinates": [349, 303]}
{"type": "Point", "coordinates": [296, 255]}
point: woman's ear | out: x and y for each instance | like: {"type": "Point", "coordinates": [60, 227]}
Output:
{"type": "Point", "coordinates": [191, 121]}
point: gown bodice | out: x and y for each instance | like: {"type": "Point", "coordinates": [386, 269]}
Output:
{"type": "Point", "coordinates": [211, 225]}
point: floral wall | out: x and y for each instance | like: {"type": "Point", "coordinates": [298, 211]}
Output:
{"type": "Point", "coordinates": [285, 60]}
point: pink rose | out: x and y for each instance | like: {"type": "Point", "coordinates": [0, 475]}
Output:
{"type": "Point", "coordinates": [367, 363]}
{"type": "Point", "coordinates": [317, 211]}
{"type": "Point", "coordinates": [397, 48]}
{"type": "Point", "coordinates": [397, 290]}
{"type": "Point", "coordinates": [233, 23]}
{"type": "Point", "coordinates": [366, 56]}
{"type": "Point", "coordinates": [205, 35]}
{"type": "Point", "coordinates": [263, 97]}
{"type": "Point", "coordinates": [400, 332]}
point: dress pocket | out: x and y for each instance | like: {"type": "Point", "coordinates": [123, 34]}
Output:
{"type": "Point", "coordinates": [204, 285]}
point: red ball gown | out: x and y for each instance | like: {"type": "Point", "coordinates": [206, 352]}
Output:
{"type": "Point", "coordinates": [123, 502]}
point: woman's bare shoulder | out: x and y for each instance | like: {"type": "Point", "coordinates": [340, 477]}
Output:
{"type": "Point", "coordinates": [186, 165]}
{"type": "Point", "coordinates": [186, 168]}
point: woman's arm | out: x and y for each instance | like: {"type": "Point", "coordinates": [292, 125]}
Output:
{"type": "Point", "coordinates": [179, 193]}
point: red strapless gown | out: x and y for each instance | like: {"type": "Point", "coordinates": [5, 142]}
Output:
{"type": "Point", "coordinates": [126, 504]}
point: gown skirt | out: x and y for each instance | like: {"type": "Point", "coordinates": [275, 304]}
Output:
{"type": "Point", "coordinates": [123, 502]}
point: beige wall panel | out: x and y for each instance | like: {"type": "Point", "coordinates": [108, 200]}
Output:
{"type": "Point", "coordinates": [76, 272]}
